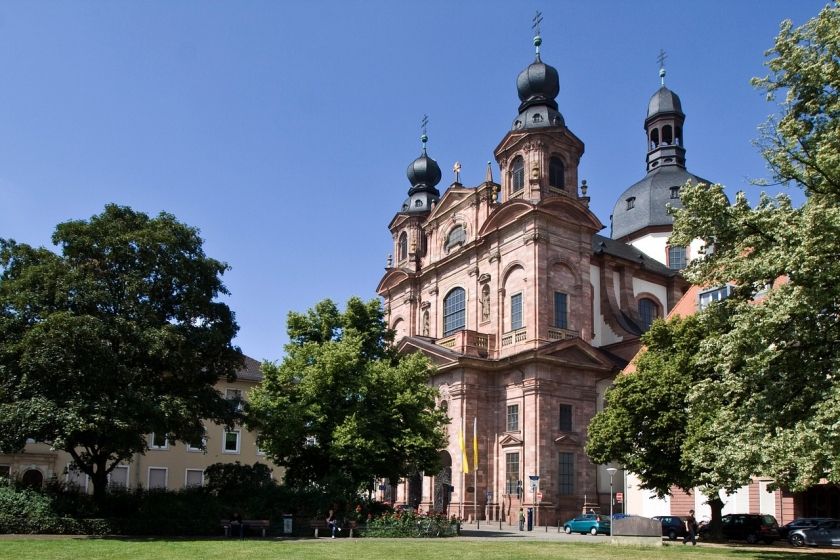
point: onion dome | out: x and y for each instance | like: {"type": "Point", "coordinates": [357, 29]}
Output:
{"type": "Point", "coordinates": [538, 86]}
{"type": "Point", "coordinates": [424, 174]}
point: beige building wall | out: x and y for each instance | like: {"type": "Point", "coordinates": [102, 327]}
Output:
{"type": "Point", "coordinates": [166, 464]}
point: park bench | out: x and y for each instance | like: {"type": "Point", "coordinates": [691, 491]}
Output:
{"type": "Point", "coordinates": [255, 524]}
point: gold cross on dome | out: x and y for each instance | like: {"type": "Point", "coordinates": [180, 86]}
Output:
{"type": "Point", "coordinates": [457, 169]}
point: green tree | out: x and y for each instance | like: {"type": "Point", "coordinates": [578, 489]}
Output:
{"type": "Point", "coordinates": [343, 407]}
{"type": "Point", "coordinates": [118, 336]}
{"type": "Point", "coordinates": [775, 352]}
{"type": "Point", "coordinates": [649, 424]}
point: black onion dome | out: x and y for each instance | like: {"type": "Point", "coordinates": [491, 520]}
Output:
{"type": "Point", "coordinates": [538, 84]}
{"type": "Point", "coordinates": [423, 173]}
{"type": "Point", "coordinates": [664, 101]}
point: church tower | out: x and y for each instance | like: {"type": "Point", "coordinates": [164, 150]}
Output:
{"type": "Point", "coordinates": [640, 216]}
{"type": "Point", "coordinates": [539, 157]}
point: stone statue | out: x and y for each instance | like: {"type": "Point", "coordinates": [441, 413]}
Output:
{"type": "Point", "coordinates": [485, 303]}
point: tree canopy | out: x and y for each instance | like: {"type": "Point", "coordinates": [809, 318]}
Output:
{"type": "Point", "coordinates": [750, 385]}
{"type": "Point", "coordinates": [117, 336]}
{"type": "Point", "coordinates": [343, 408]}
{"type": "Point", "coordinates": [774, 344]}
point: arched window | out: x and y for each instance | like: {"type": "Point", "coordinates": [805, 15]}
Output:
{"type": "Point", "coordinates": [454, 318]}
{"type": "Point", "coordinates": [667, 134]}
{"type": "Point", "coordinates": [403, 252]}
{"type": "Point", "coordinates": [556, 173]}
{"type": "Point", "coordinates": [631, 202]}
{"type": "Point", "coordinates": [457, 236]}
{"type": "Point", "coordinates": [648, 311]}
{"type": "Point", "coordinates": [676, 257]}
{"type": "Point", "coordinates": [654, 138]}
{"type": "Point", "coordinates": [678, 139]}
{"type": "Point", "coordinates": [517, 174]}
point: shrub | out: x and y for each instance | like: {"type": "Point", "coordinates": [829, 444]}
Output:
{"type": "Point", "coordinates": [409, 524]}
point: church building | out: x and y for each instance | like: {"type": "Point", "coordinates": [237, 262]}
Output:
{"type": "Point", "coordinates": [527, 309]}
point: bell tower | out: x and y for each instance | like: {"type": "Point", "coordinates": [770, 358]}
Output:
{"type": "Point", "coordinates": [539, 157]}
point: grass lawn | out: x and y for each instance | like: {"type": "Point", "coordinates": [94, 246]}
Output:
{"type": "Point", "coordinates": [366, 549]}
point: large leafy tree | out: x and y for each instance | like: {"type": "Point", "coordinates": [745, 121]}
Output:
{"type": "Point", "coordinates": [118, 335]}
{"type": "Point", "coordinates": [343, 408]}
{"type": "Point", "coordinates": [650, 424]}
{"type": "Point", "coordinates": [775, 352]}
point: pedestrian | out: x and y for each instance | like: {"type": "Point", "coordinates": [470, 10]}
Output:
{"type": "Point", "coordinates": [690, 528]}
{"type": "Point", "coordinates": [521, 519]}
{"type": "Point", "coordinates": [237, 528]}
{"type": "Point", "coordinates": [332, 523]}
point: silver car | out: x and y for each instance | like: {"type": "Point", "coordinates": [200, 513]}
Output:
{"type": "Point", "coordinates": [826, 533]}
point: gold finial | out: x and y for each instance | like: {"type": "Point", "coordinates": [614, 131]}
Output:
{"type": "Point", "coordinates": [457, 169]}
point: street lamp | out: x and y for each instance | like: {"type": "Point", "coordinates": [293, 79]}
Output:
{"type": "Point", "coordinates": [612, 471]}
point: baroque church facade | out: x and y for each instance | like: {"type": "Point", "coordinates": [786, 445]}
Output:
{"type": "Point", "coordinates": [528, 312]}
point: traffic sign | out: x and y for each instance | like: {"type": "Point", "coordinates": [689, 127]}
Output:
{"type": "Point", "coordinates": [619, 497]}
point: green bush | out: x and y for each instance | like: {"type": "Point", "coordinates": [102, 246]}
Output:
{"type": "Point", "coordinates": [409, 524]}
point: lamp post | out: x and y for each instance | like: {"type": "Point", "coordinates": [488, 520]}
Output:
{"type": "Point", "coordinates": [612, 471]}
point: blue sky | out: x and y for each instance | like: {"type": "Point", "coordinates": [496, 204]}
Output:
{"type": "Point", "coordinates": [283, 130]}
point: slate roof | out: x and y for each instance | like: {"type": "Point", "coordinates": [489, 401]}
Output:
{"type": "Point", "coordinates": [652, 195]}
{"type": "Point", "coordinates": [601, 244]}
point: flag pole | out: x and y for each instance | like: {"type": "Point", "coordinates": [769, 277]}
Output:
{"type": "Point", "coordinates": [475, 472]}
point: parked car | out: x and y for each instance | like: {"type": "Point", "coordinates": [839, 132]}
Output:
{"type": "Point", "coordinates": [826, 533]}
{"type": "Point", "coordinates": [591, 523]}
{"type": "Point", "coordinates": [801, 523]}
{"type": "Point", "coordinates": [751, 527]}
{"type": "Point", "coordinates": [673, 526]}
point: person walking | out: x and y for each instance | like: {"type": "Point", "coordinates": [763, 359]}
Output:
{"type": "Point", "coordinates": [521, 519]}
{"type": "Point", "coordinates": [691, 528]}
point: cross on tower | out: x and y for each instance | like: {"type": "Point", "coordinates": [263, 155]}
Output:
{"type": "Point", "coordinates": [661, 59]}
{"type": "Point", "coordinates": [537, 21]}
{"type": "Point", "coordinates": [424, 123]}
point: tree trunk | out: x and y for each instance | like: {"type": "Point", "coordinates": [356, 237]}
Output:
{"type": "Point", "coordinates": [716, 504]}
{"type": "Point", "coordinates": [99, 478]}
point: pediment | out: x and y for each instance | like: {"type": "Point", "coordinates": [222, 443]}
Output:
{"type": "Point", "coordinates": [510, 440]}
{"type": "Point", "coordinates": [505, 214]}
{"type": "Point", "coordinates": [567, 439]}
{"type": "Point", "coordinates": [578, 353]}
{"type": "Point", "coordinates": [570, 209]}
{"type": "Point", "coordinates": [453, 196]}
{"type": "Point", "coordinates": [438, 355]}
{"type": "Point", "coordinates": [392, 278]}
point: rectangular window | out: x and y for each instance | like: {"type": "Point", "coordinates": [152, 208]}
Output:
{"type": "Point", "coordinates": [193, 478]}
{"type": "Point", "coordinates": [511, 473]}
{"type": "Point", "coordinates": [561, 310]}
{"type": "Point", "coordinates": [77, 478]}
{"type": "Point", "coordinates": [158, 441]}
{"type": "Point", "coordinates": [512, 418]}
{"type": "Point", "coordinates": [257, 444]}
{"type": "Point", "coordinates": [676, 257]}
{"type": "Point", "coordinates": [197, 446]}
{"type": "Point", "coordinates": [566, 474]}
{"type": "Point", "coordinates": [515, 312]}
{"type": "Point", "coordinates": [231, 442]}
{"type": "Point", "coordinates": [565, 424]}
{"type": "Point", "coordinates": [710, 296]}
{"type": "Point", "coordinates": [118, 477]}
{"type": "Point", "coordinates": [234, 397]}
{"type": "Point", "coordinates": [157, 478]}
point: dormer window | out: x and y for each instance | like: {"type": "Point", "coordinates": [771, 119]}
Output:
{"type": "Point", "coordinates": [517, 174]}
{"type": "Point", "coordinates": [556, 178]}
{"type": "Point", "coordinates": [675, 192]}
{"type": "Point", "coordinates": [631, 202]}
{"type": "Point", "coordinates": [457, 237]}
{"type": "Point", "coordinates": [418, 203]}
{"type": "Point", "coordinates": [537, 117]}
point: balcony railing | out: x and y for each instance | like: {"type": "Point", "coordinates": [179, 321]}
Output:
{"type": "Point", "coordinates": [556, 333]}
{"type": "Point", "coordinates": [514, 337]}
{"type": "Point", "coordinates": [470, 343]}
